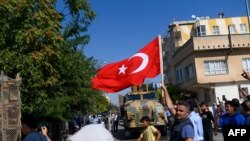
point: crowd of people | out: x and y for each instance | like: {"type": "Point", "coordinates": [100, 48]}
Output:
{"type": "Point", "coordinates": [193, 121]}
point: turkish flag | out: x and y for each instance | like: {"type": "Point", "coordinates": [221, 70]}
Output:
{"type": "Point", "coordinates": [128, 72]}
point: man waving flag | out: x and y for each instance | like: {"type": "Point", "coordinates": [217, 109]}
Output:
{"type": "Point", "coordinates": [128, 72]}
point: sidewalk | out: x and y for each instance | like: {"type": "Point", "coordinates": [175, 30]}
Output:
{"type": "Point", "coordinates": [219, 137]}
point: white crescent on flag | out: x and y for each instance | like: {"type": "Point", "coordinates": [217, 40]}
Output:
{"type": "Point", "coordinates": [143, 64]}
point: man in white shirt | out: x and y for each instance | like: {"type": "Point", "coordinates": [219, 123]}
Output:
{"type": "Point", "coordinates": [196, 121]}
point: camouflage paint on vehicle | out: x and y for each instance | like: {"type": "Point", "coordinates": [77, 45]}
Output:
{"type": "Point", "coordinates": [135, 110]}
{"type": "Point", "coordinates": [143, 103]}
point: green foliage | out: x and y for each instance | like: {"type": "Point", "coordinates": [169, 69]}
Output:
{"type": "Point", "coordinates": [46, 48]}
{"type": "Point", "coordinates": [174, 92]}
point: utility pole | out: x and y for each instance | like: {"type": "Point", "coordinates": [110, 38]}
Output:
{"type": "Point", "coordinates": [246, 2]}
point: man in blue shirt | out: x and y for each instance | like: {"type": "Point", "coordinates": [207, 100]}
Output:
{"type": "Point", "coordinates": [29, 124]}
{"type": "Point", "coordinates": [231, 118]}
{"type": "Point", "coordinates": [182, 128]}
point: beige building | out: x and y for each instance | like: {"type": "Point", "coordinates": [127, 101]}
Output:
{"type": "Point", "coordinates": [207, 55]}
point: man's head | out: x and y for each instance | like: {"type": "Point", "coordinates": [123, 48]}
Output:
{"type": "Point", "coordinates": [182, 110]}
{"type": "Point", "coordinates": [204, 106]}
{"type": "Point", "coordinates": [145, 121]}
{"type": "Point", "coordinates": [236, 102]}
{"type": "Point", "coordinates": [29, 123]}
{"type": "Point", "coordinates": [230, 107]}
{"type": "Point", "coordinates": [43, 127]}
{"type": "Point", "coordinates": [246, 106]}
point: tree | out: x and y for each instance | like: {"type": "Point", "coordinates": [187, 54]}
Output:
{"type": "Point", "coordinates": [174, 92]}
{"type": "Point", "coordinates": [46, 47]}
{"type": "Point", "coordinates": [30, 44]}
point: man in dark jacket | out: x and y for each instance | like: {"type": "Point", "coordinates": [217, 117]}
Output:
{"type": "Point", "coordinates": [182, 129]}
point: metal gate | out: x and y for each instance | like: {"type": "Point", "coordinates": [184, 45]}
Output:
{"type": "Point", "coordinates": [10, 108]}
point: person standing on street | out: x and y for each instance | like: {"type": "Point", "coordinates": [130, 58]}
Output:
{"type": "Point", "coordinates": [150, 133]}
{"type": "Point", "coordinates": [182, 128]}
{"type": "Point", "coordinates": [112, 121]}
{"type": "Point", "coordinates": [196, 121]}
{"type": "Point", "coordinates": [116, 119]}
{"type": "Point", "coordinates": [95, 120]}
{"type": "Point", "coordinates": [207, 120]}
{"type": "Point", "coordinates": [29, 125]}
{"type": "Point", "coordinates": [230, 119]}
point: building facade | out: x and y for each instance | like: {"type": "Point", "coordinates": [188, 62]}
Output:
{"type": "Point", "coordinates": [207, 56]}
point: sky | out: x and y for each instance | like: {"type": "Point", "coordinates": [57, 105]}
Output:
{"type": "Point", "coordinates": [122, 27]}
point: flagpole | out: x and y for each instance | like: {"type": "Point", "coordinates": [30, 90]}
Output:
{"type": "Point", "coordinates": [161, 66]}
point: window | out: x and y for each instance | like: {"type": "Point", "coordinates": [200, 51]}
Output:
{"type": "Point", "coordinates": [201, 30]}
{"type": "Point", "coordinates": [133, 97]}
{"type": "Point", "coordinates": [232, 28]}
{"type": "Point", "coordinates": [215, 67]}
{"type": "Point", "coordinates": [216, 30]}
{"type": "Point", "coordinates": [178, 73]}
{"type": "Point", "coordinates": [149, 96]}
{"type": "Point", "coordinates": [246, 64]}
{"type": "Point", "coordinates": [189, 72]}
{"type": "Point", "coordinates": [243, 28]}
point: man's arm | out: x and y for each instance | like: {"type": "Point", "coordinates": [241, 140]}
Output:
{"type": "Point", "coordinates": [198, 106]}
{"type": "Point", "coordinates": [214, 123]}
{"type": "Point", "coordinates": [158, 135]}
{"type": "Point", "coordinates": [188, 132]}
{"type": "Point", "coordinates": [139, 139]}
{"type": "Point", "coordinates": [168, 100]}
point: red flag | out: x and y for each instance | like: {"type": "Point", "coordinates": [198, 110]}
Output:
{"type": "Point", "coordinates": [128, 72]}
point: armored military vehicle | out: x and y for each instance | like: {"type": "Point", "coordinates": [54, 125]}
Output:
{"type": "Point", "coordinates": [142, 101]}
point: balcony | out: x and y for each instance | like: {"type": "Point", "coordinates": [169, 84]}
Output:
{"type": "Point", "coordinates": [210, 43]}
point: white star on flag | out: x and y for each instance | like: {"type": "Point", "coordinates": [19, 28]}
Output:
{"type": "Point", "coordinates": [122, 69]}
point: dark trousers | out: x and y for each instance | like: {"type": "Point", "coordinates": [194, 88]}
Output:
{"type": "Point", "coordinates": [208, 135]}
{"type": "Point", "coordinates": [115, 125]}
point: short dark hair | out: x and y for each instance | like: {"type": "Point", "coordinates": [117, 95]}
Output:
{"type": "Point", "coordinates": [236, 102]}
{"type": "Point", "coordinates": [30, 120]}
{"type": "Point", "coordinates": [204, 103]}
{"type": "Point", "coordinates": [145, 118]}
{"type": "Point", "coordinates": [191, 104]}
{"type": "Point", "coordinates": [245, 106]}
{"type": "Point", "coordinates": [231, 103]}
{"type": "Point", "coordinates": [184, 104]}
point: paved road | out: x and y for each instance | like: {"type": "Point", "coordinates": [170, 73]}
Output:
{"type": "Point", "coordinates": [119, 136]}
